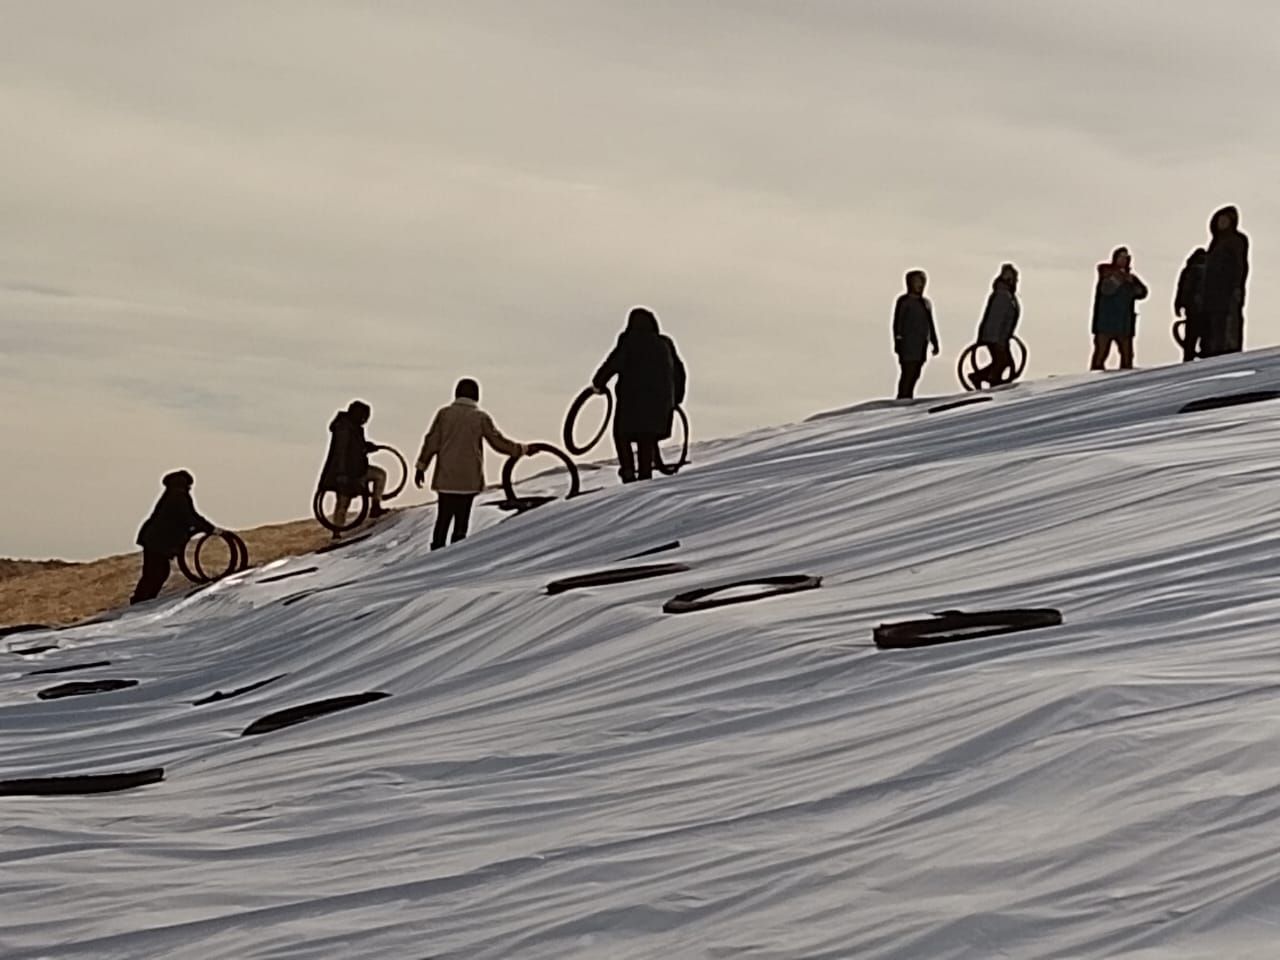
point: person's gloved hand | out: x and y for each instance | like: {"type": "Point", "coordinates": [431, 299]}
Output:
{"type": "Point", "coordinates": [419, 478]}
{"type": "Point", "coordinates": [597, 390]}
{"type": "Point", "coordinates": [523, 451]}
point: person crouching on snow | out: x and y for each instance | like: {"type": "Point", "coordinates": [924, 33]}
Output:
{"type": "Point", "coordinates": [454, 441]}
{"type": "Point", "coordinates": [165, 534]}
{"type": "Point", "coordinates": [995, 332]}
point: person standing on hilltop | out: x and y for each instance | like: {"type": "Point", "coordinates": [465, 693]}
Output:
{"type": "Point", "coordinates": [1115, 314]}
{"type": "Point", "coordinates": [1226, 271]}
{"type": "Point", "coordinates": [165, 533]}
{"type": "Point", "coordinates": [347, 470]}
{"type": "Point", "coordinates": [651, 384]}
{"type": "Point", "coordinates": [454, 441]}
{"type": "Point", "coordinates": [999, 321]}
{"type": "Point", "coordinates": [914, 333]}
{"type": "Point", "coordinates": [1188, 304]}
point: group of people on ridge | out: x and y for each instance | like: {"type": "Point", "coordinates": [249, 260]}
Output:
{"type": "Point", "coordinates": [1210, 298]}
{"type": "Point", "coordinates": [650, 384]}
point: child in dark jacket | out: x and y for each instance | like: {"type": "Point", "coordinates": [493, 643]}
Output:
{"type": "Point", "coordinates": [166, 532]}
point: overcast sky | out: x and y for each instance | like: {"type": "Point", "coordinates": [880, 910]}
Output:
{"type": "Point", "coordinates": [220, 222]}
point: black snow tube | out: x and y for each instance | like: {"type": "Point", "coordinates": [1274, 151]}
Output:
{"type": "Point", "coordinates": [82, 785]}
{"type": "Point", "coordinates": [1180, 332]}
{"type": "Point", "coordinates": [1230, 400]}
{"type": "Point", "coordinates": [80, 688]}
{"type": "Point", "coordinates": [968, 362]}
{"type": "Point", "coordinates": [705, 598]}
{"type": "Point", "coordinates": [353, 520]}
{"type": "Point", "coordinates": [218, 695]}
{"type": "Point", "coordinates": [604, 578]}
{"type": "Point", "coordinates": [660, 548]}
{"type": "Point", "coordinates": [392, 492]}
{"type": "Point", "coordinates": [671, 469]}
{"type": "Point", "coordinates": [956, 404]}
{"type": "Point", "coordinates": [309, 711]}
{"type": "Point", "coordinates": [237, 560]}
{"type": "Point", "coordinates": [571, 420]}
{"type": "Point", "coordinates": [957, 625]}
{"type": "Point", "coordinates": [509, 471]}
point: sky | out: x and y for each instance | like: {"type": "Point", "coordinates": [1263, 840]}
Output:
{"type": "Point", "coordinates": [220, 223]}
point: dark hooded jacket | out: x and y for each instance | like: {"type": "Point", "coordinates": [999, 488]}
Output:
{"type": "Point", "coordinates": [1115, 311]}
{"type": "Point", "coordinates": [174, 518]}
{"type": "Point", "coordinates": [1000, 318]}
{"type": "Point", "coordinates": [1226, 268]}
{"type": "Point", "coordinates": [1189, 300]}
{"type": "Point", "coordinates": [651, 378]}
{"type": "Point", "coordinates": [913, 327]}
{"type": "Point", "coordinates": [347, 463]}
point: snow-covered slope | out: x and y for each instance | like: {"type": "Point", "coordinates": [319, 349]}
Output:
{"type": "Point", "coordinates": [583, 775]}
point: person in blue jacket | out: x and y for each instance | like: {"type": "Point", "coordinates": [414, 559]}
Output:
{"type": "Point", "coordinates": [1115, 311]}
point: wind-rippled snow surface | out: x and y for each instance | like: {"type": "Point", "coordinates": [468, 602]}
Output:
{"type": "Point", "coordinates": [583, 776]}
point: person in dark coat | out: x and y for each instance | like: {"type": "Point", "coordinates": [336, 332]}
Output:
{"type": "Point", "coordinates": [1115, 314]}
{"type": "Point", "coordinates": [995, 332]}
{"type": "Point", "coordinates": [914, 333]}
{"type": "Point", "coordinates": [1188, 303]}
{"type": "Point", "coordinates": [651, 384]}
{"type": "Point", "coordinates": [347, 471]}
{"type": "Point", "coordinates": [1226, 270]}
{"type": "Point", "coordinates": [165, 533]}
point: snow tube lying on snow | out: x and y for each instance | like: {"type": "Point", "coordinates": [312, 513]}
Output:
{"type": "Point", "coordinates": [954, 625]}
{"type": "Point", "coordinates": [1230, 400]}
{"type": "Point", "coordinates": [604, 578]}
{"type": "Point", "coordinates": [705, 598]}
{"type": "Point", "coordinates": [79, 785]}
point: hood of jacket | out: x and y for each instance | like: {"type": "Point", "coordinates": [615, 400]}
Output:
{"type": "Point", "coordinates": [1230, 212]}
{"type": "Point", "coordinates": [1198, 257]}
{"type": "Point", "coordinates": [341, 418]}
{"type": "Point", "coordinates": [642, 322]}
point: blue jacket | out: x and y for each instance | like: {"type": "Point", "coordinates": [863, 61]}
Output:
{"type": "Point", "coordinates": [1115, 313]}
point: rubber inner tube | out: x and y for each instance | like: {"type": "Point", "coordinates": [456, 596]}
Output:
{"type": "Point", "coordinates": [83, 784]}
{"type": "Point", "coordinates": [392, 492]}
{"type": "Point", "coordinates": [309, 711]}
{"type": "Point", "coordinates": [705, 598]}
{"type": "Point", "coordinates": [218, 695]}
{"type": "Point", "coordinates": [509, 470]}
{"type": "Point", "coordinates": [571, 420]}
{"type": "Point", "coordinates": [671, 469]}
{"type": "Point", "coordinates": [968, 362]}
{"type": "Point", "coordinates": [1230, 400]}
{"type": "Point", "coordinates": [80, 688]}
{"type": "Point", "coordinates": [354, 520]}
{"type": "Point", "coordinates": [237, 560]}
{"type": "Point", "coordinates": [1180, 332]}
{"type": "Point", "coordinates": [604, 578]}
{"type": "Point", "coordinates": [955, 404]}
{"type": "Point", "coordinates": [957, 625]}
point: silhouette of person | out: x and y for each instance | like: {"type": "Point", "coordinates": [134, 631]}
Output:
{"type": "Point", "coordinates": [1115, 314]}
{"type": "Point", "coordinates": [165, 533]}
{"type": "Point", "coordinates": [1226, 271]}
{"type": "Point", "coordinates": [914, 333]}
{"type": "Point", "coordinates": [1188, 303]}
{"type": "Point", "coordinates": [995, 332]}
{"type": "Point", "coordinates": [347, 470]}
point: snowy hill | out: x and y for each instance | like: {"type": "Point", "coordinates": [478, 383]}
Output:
{"type": "Point", "coordinates": [582, 775]}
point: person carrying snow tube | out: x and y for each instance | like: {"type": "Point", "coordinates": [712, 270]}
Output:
{"type": "Point", "coordinates": [651, 384]}
{"type": "Point", "coordinates": [1115, 312]}
{"type": "Point", "coordinates": [1188, 304]}
{"type": "Point", "coordinates": [454, 442]}
{"type": "Point", "coordinates": [1226, 271]}
{"type": "Point", "coordinates": [165, 533]}
{"type": "Point", "coordinates": [347, 471]}
{"type": "Point", "coordinates": [995, 331]}
{"type": "Point", "coordinates": [914, 333]}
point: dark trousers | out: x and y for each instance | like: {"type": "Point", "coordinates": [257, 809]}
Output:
{"type": "Point", "coordinates": [452, 510]}
{"type": "Point", "coordinates": [909, 377]}
{"type": "Point", "coordinates": [1000, 365]}
{"type": "Point", "coordinates": [645, 452]}
{"type": "Point", "coordinates": [1195, 339]}
{"type": "Point", "coordinates": [1223, 333]}
{"type": "Point", "coordinates": [155, 571]}
{"type": "Point", "coordinates": [1102, 351]}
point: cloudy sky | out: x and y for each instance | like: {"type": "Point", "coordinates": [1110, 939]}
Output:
{"type": "Point", "coordinates": [220, 222]}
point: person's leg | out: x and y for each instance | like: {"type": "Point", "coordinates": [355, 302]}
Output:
{"type": "Point", "coordinates": [155, 571]}
{"type": "Point", "coordinates": [1001, 364]}
{"type": "Point", "coordinates": [647, 454]}
{"type": "Point", "coordinates": [1235, 331]}
{"type": "Point", "coordinates": [1101, 350]}
{"type": "Point", "coordinates": [462, 515]}
{"type": "Point", "coordinates": [444, 519]}
{"type": "Point", "coordinates": [909, 377]}
{"type": "Point", "coordinates": [340, 507]}
{"type": "Point", "coordinates": [1211, 342]}
{"type": "Point", "coordinates": [626, 458]}
{"type": "Point", "coordinates": [1126, 352]}
{"type": "Point", "coordinates": [376, 478]}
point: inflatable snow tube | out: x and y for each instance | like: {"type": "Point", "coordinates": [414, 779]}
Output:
{"type": "Point", "coordinates": [956, 404]}
{"type": "Point", "coordinates": [968, 363]}
{"type": "Point", "coordinates": [82, 688]}
{"type": "Point", "coordinates": [237, 559]}
{"type": "Point", "coordinates": [671, 469]}
{"type": "Point", "coordinates": [954, 625]}
{"type": "Point", "coordinates": [309, 711]}
{"type": "Point", "coordinates": [705, 598]}
{"type": "Point", "coordinates": [1180, 332]}
{"type": "Point", "coordinates": [571, 420]}
{"type": "Point", "coordinates": [533, 449]}
{"type": "Point", "coordinates": [81, 785]}
{"type": "Point", "coordinates": [604, 578]}
{"type": "Point", "coordinates": [1230, 400]}
{"type": "Point", "coordinates": [393, 491]}
{"type": "Point", "coordinates": [325, 516]}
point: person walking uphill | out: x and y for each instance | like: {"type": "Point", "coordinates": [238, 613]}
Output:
{"type": "Point", "coordinates": [1188, 304]}
{"type": "Point", "coordinates": [454, 441]}
{"type": "Point", "coordinates": [914, 333]}
{"type": "Point", "coordinates": [999, 321]}
{"type": "Point", "coordinates": [651, 384]}
{"type": "Point", "coordinates": [347, 470]}
{"type": "Point", "coordinates": [1115, 316]}
{"type": "Point", "coordinates": [165, 533]}
{"type": "Point", "coordinates": [1226, 271]}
